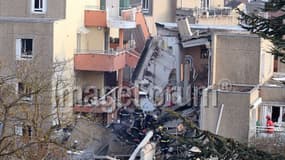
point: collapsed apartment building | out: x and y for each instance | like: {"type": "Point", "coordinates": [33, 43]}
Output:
{"type": "Point", "coordinates": [222, 77]}
{"type": "Point", "coordinates": [224, 74]}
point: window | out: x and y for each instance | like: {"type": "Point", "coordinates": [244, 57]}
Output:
{"type": "Point", "coordinates": [19, 130]}
{"type": "Point", "coordinates": [204, 53]}
{"type": "Point", "coordinates": [27, 131]}
{"type": "Point", "coordinates": [38, 6]}
{"type": "Point", "coordinates": [23, 130]}
{"type": "Point", "coordinates": [25, 91]}
{"type": "Point", "coordinates": [102, 4]}
{"type": "Point", "coordinates": [145, 6]}
{"type": "Point", "coordinates": [24, 48]}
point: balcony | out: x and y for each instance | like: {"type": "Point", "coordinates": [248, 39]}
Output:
{"type": "Point", "coordinates": [110, 18]}
{"type": "Point", "coordinates": [91, 104]}
{"type": "Point", "coordinates": [127, 20]}
{"type": "Point", "coordinates": [105, 61]}
{"type": "Point", "coordinates": [89, 109]}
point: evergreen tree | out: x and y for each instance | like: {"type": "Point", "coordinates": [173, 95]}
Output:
{"type": "Point", "coordinates": [211, 145]}
{"type": "Point", "coordinates": [271, 27]}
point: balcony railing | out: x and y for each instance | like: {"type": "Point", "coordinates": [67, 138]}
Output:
{"type": "Point", "coordinates": [268, 131]}
{"type": "Point", "coordinates": [116, 51]}
{"type": "Point", "coordinates": [92, 7]}
{"type": "Point", "coordinates": [105, 104]}
{"type": "Point", "coordinates": [94, 17]}
{"type": "Point", "coordinates": [126, 20]}
{"type": "Point", "coordinates": [109, 61]}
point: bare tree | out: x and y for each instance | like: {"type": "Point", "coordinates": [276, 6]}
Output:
{"type": "Point", "coordinates": [27, 109]}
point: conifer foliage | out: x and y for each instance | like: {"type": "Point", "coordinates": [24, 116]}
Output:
{"type": "Point", "coordinates": [270, 25]}
{"type": "Point", "coordinates": [213, 146]}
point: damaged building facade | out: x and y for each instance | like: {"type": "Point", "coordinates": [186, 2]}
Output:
{"type": "Point", "coordinates": [223, 74]}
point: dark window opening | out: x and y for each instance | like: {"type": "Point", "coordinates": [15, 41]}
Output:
{"type": "Point", "coordinates": [204, 53]}
{"type": "Point", "coordinates": [25, 91]}
{"type": "Point", "coordinates": [26, 47]}
{"type": "Point", "coordinates": [38, 4]}
{"type": "Point", "coordinates": [275, 114]}
{"type": "Point", "coordinates": [27, 131]}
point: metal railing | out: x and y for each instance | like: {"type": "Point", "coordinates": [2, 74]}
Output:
{"type": "Point", "coordinates": [107, 52]}
{"type": "Point", "coordinates": [264, 129]}
{"type": "Point", "coordinates": [92, 7]}
{"type": "Point", "coordinates": [226, 11]}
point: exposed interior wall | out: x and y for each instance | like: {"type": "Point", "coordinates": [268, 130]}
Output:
{"type": "Point", "coordinates": [86, 79]}
{"type": "Point", "coordinates": [200, 64]}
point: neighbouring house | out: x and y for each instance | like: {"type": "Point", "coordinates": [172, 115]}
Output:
{"type": "Point", "coordinates": [113, 35]}
{"type": "Point", "coordinates": [99, 41]}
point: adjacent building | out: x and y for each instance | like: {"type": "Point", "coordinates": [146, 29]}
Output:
{"type": "Point", "coordinates": [98, 42]}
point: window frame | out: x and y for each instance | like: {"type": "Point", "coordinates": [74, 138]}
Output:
{"type": "Point", "coordinates": [21, 49]}
{"type": "Point", "coordinates": [25, 90]}
{"type": "Point", "coordinates": [145, 6]}
{"type": "Point", "coordinates": [42, 6]}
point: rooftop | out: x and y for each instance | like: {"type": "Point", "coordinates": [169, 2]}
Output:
{"type": "Point", "coordinates": [202, 26]}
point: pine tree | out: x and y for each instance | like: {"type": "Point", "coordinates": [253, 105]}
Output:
{"type": "Point", "coordinates": [271, 27]}
{"type": "Point", "coordinates": [212, 145]}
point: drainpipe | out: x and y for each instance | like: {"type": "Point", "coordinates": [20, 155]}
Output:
{"type": "Point", "coordinates": [209, 66]}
